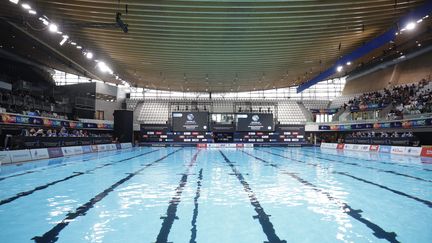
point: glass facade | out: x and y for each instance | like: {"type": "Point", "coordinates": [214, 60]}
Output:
{"type": "Point", "coordinates": [325, 90]}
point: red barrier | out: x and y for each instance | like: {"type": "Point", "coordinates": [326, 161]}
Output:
{"type": "Point", "coordinates": [374, 148]}
{"type": "Point", "coordinates": [340, 146]}
{"type": "Point", "coordinates": [426, 151]}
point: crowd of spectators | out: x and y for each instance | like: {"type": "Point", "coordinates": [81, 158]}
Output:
{"type": "Point", "coordinates": [62, 132]}
{"type": "Point", "coordinates": [405, 99]}
{"type": "Point", "coordinates": [373, 134]}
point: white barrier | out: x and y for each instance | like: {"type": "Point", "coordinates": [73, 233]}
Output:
{"type": "Point", "coordinates": [102, 147]}
{"type": "Point", "coordinates": [19, 155]}
{"type": "Point", "coordinates": [226, 145]}
{"type": "Point", "coordinates": [329, 145]}
{"type": "Point", "coordinates": [39, 153]}
{"type": "Point", "coordinates": [13, 156]}
{"type": "Point", "coordinates": [413, 151]}
{"type": "Point", "coordinates": [4, 157]}
{"type": "Point", "coordinates": [400, 150]}
{"type": "Point", "coordinates": [397, 150]}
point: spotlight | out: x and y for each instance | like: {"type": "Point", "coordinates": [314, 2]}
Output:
{"type": "Point", "coordinates": [25, 6]}
{"type": "Point", "coordinates": [14, 1]}
{"type": "Point", "coordinates": [89, 55]}
{"type": "Point", "coordinates": [79, 47]}
{"type": "Point", "coordinates": [53, 28]}
{"type": "Point", "coordinates": [31, 11]}
{"type": "Point", "coordinates": [339, 68]}
{"type": "Point", "coordinates": [410, 26]}
{"type": "Point", "coordinates": [348, 63]}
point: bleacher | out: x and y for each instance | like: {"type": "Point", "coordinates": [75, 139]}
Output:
{"type": "Point", "coordinates": [316, 104]}
{"type": "Point", "coordinates": [289, 112]}
{"type": "Point", "coordinates": [153, 112]}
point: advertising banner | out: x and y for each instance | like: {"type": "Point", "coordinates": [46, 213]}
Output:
{"type": "Point", "coordinates": [86, 149]}
{"type": "Point", "coordinates": [384, 149]}
{"type": "Point", "coordinates": [4, 157]}
{"type": "Point", "coordinates": [55, 152]}
{"type": "Point", "coordinates": [39, 153]}
{"type": "Point", "coordinates": [20, 155]}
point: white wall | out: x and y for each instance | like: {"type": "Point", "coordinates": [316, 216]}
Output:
{"type": "Point", "coordinates": [108, 108]}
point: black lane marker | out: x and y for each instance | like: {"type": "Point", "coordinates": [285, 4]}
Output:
{"type": "Point", "coordinates": [428, 203]}
{"type": "Point", "coordinates": [371, 160]}
{"type": "Point", "coordinates": [76, 174]}
{"type": "Point", "coordinates": [379, 232]}
{"type": "Point", "coordinates": [168, 220]}
{"type": "Point", "coordinates": [52, 235]}
{"type": "Point", "coordinates": [263, 218]}
{"type": "Point", "coordinates": [51, 167]}
{"type": "Point", "coordinates": [195, 211]}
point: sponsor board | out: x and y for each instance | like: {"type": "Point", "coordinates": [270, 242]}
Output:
{"type": "Point", "coordinates": [384, 149]}
{"type": "Point", "coordinates": [397, 150]}
{"type": "Point", "coordinates": [39, 153]}
{"type": "Point", "coordinates": [68, 151]}
{"type": "Point", "coordinates": [329, 145]}
{"type": "Point", "coordinates": [4, 157]}
{"type": "Point", "coordinates": [55, 152]}
{"type": "Point", "coordinates": [201, 145]}
{"type": "Point", "coordinates": [112, 146]}
{"type": "Point", "coordinates": [374, 148]}
{"type": "Point", "coordinates": [94, 148]}
{"type": "Point", "coordinates": [364, 148]}
{"type": "Point", "coordinates": [340, 146]}
{"type": "Point", "coordinates": [19, 155]}
{"type": "Point", "coordinates": [426, 151]}
{"type": "Point", "coordinates": [349, 146]}
{"type": "Point", "coordinates": [413, 151]}
{"type": "Point", "coordinates": [118, 146]}
{"type": "Point", "coordinates": [102, 147]}
{"type": "Point", "coordinates": [126, 145]}
{"type": "Point", "coordinates": [87, 149]}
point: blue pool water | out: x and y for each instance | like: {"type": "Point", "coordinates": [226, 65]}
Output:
{"type": "Point", "coordinates": [218, 195]}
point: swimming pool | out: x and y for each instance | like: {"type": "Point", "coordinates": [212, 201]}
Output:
{"type": "Point", "coordinates": [218, 195]}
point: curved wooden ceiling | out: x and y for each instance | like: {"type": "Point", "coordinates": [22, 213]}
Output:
{"type": "Point", "coordinates": [224, 45]}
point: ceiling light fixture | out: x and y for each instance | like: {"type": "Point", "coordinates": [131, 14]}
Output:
{"type": "Point", "coordinates": [26, 6]}
{"type": "Point", "coordinates": [53, 28]}
{"type": "Point", "coordinates": [339, 68]}
{"type": "Point", "coordinates": [410, 26]}
{"type": "Point", "coordinates": [14, 1]}
{"type": "Point", "coordinates": [65, 38]}
{"type": "Point", "coordinates": [89, 55]}
{"type": "Point", "coordinates": [31, 11]}
{"type": "Point", "coordinates": [348, 63]}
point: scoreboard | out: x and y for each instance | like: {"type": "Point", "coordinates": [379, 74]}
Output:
{"type": "Point", "coordinates": [190, 121]}
{"type": "Point", "coordinates": [250, 122]}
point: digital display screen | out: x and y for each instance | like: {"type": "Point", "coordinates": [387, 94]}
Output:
{"type": "Point", "coordinates": [251, 122]}
{"type": "Point", "coordinates": [190, 121]}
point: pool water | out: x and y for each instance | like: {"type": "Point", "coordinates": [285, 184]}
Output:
{"type": "Point", "coordinates": [218, 195]}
